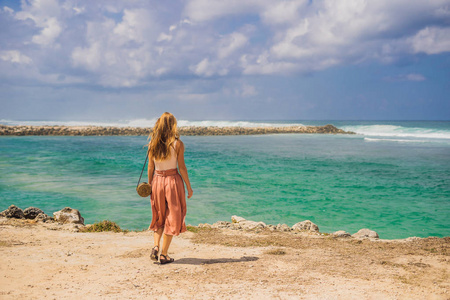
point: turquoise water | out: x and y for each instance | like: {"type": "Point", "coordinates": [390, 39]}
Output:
{"type": "Point", "coordinates": [394, 179]}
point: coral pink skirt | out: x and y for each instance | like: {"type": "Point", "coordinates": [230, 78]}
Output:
{"type": "Point", "coordinates": [168, 202]}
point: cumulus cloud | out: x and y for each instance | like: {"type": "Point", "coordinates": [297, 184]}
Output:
{"type": "Point", "coordinates": [125, 44]}
{"type": "Point", "coordinates": [15, 56]}
{"type": "Point", "coordinates": [431, 40]}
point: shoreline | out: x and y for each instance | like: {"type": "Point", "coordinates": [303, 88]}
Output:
{"type": "Point", "coordinates": [73, 217]}
{"type": "Point", "coordinates": [53, 260]}
{"type": "Point", "coordinates": [56, 130]}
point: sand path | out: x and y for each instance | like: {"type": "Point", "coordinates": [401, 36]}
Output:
{"type": "Point", "coordinates": [39, 263]}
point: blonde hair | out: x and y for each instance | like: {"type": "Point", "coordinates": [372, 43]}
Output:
{"type": "Point", "coordinates": [162, 137]}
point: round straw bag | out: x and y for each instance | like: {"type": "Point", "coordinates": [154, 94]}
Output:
{"type": "Point", "coordinates": [143, 189]}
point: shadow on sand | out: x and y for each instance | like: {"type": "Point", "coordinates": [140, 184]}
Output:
{"type": "Point", "coordinates": [205, 261]}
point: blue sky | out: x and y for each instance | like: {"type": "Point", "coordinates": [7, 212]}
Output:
{"type": "Point", "coordinates": [225, 60]}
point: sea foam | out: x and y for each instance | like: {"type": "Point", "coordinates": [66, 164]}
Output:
{"type": "Point", "coordinates": [150, 123]}
{"type": "Point", "coordinates": [399, 131]}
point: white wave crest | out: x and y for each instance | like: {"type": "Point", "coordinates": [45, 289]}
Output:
{"type": "Point", "coordinates": [395, 140]}
{"type": "Point", "coordinates": [149, 123]}
{"type": "Point", "coordinates": [398, 131]}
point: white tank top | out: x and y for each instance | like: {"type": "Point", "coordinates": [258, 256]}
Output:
{"type": "Point", "coordinates": [170, 163]}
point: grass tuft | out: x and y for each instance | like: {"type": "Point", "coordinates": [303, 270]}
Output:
{"type": "Point", "coordinates": [193, 229]}
{"type": "Point", "coordinates": [104, 225]}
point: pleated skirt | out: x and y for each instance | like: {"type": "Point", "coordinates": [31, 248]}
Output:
{"type": "Point", "coordinates": [168, 202]}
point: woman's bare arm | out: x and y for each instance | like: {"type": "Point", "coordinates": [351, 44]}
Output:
{"type": "Point", "coordinates": [150, 170]}
{"type": "Point", "coordinates": [183, 169]}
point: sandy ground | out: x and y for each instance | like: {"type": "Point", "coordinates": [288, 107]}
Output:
{"type": "Point", "coordinates": [37, 262]}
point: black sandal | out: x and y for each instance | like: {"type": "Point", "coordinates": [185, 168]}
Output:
{"type": "Point", "coordinates": [165, 260]}
{"type": "Point", "coordinates": [154, 255]}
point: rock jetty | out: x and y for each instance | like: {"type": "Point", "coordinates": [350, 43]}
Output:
{"type": "Point", "coordinates": [23, 130]}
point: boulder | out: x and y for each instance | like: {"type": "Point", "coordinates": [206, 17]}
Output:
{"type": "Point", "coordinates": [13, 212]}
{"type": "Point", "coordinates": [32, 212]}
{"type": "Point", "coordinates": [237, 219]}
{"type": "Point", "coordinates": [283, 227]}
{"type": "Point", "coordinates": [241, 223]}
{"type": "Point", "coordinates": [341, 234]}
{"type": "Point", "coordinates": [43, 218]}
{"type": "Point", "coordinates": [221, 224]}
{"type": "Point", "coordinates": [365, 233]}
{"type": "Point", "coordinates": [204, 225]}
{"type": "Point", "coordinates": [252, 224]}
{"type": "Point", "coordinates": [305, 226]}
{"type": "Point", "coordinates": [68, 215]}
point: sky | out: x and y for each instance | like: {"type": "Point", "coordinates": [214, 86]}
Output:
{"type": "Point", "coordinates": [225, 60]}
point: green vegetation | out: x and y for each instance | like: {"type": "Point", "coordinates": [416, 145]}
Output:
{"type": "Point", "coordinates": [104, 225]}
{"type": "Point", "coordinates": [193, 229]}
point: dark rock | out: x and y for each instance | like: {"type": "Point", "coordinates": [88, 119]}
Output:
{"type": "Point", "coordinates": [32, 212]}
{"type": "Point", "coordinates": [13, 212]}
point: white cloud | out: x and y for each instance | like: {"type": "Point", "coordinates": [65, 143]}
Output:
{"type": "Point", "coordinates": [431, 40]}
{"type": "Point", "coordinates": [45, 14]}
{"type": "Point", "coordinates": [8, 9]}
{"type": "Point", "coordinates": [164, 37]}
{"type": "Point", "coordinates": [405, 77]}
{"type": "Point", "coordinates": [415, 77]}
{"type": "Point", "coordinates": [136, 26]}
{"type": "Point", "coordinates": [248, 91]}
{"type": "Point", "coordinates": [51, 31]}
{"type": "Point", "coordinates": [207, 10]}
{"type": "Point", "coordinates": [203, 68]}
{"type": "Point", "coordinates": [89, 58]}
{"type": "Point", "coordinates": [15, 56]}
{"type": "Point", "coordinates": [230, 44]}
{"type": "Point", "coordinates": [118, 43]}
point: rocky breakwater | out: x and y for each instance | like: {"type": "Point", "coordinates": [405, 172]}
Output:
{"type": "Point", "coordinates": [24, 130]}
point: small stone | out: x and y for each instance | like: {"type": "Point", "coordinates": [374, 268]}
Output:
{"type": "Point", "coordinates": [305, 226]}
{"type": "Point", "coordinates": [365, 233]}
{"type": "Point", "coordinates": [32, 212]}
{"type": "Point", "coordinates": [341, 234]}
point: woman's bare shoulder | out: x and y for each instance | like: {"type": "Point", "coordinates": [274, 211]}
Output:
{"type": "Point", "coordinates": [179, 145]}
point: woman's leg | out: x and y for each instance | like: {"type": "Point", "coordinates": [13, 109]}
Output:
{"type": "Point", "coordinates": [157, 237]}
{"type": "Point", "coordinates": [166, 243]}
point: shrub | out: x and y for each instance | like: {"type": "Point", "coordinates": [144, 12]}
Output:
{"type": "Point", "coordinates": [104, 225]}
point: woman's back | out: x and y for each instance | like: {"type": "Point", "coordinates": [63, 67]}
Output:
{"type": "Point", "coordinates": [170, 163]}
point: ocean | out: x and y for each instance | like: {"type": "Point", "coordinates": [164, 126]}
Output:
{"type": "Point", "coordinates": [392, 176]}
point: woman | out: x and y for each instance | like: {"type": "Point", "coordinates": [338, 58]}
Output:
{"type": "Point", "coordinates": [166, 152]}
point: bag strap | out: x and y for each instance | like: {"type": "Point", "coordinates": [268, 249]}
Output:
{"type": "Point", "coordinates": [142, 170]}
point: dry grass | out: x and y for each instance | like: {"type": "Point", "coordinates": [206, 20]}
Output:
{"type": "Point", "coordinates": [276, 252]}
{"type": "Point", "coordinates": [421, 262]}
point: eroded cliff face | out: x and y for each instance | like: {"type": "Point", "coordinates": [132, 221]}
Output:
{"type": "Point", "coordinates": [23, 130]}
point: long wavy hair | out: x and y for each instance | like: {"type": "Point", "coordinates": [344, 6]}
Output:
{"type": "Point", "coordinates": [162, 137]}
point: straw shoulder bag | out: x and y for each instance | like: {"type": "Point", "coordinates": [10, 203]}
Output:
{"type": "Point", "coordinates": [144, 189]}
